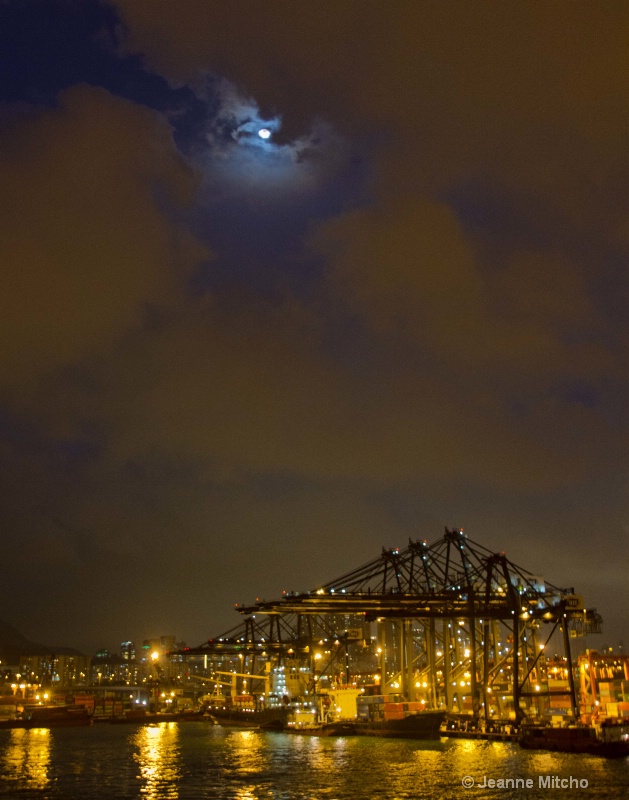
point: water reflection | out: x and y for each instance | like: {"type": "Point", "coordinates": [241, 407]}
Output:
{"type": "Point", "coordinates": [245, 765]}
{"type": "Point", "coordinates": [545, 763]}
{"type": "Point", "coordinates": [247, 752]}
{"type": "Point", "coordinates": [158, 756]}
{"type": "Point", "coordinates": [27, 758]}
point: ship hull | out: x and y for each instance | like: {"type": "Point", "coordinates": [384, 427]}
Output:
{"type": "Point", "coordinates": [53, 717]}
{"type": "Point", "coordinates": [574, 740]}
{"type": "Point", "coordinates": [268, 719]}
{"type": "Point", "coordinates": [329, 729]}
{"type": "Point", "coordinates": [422, 725]}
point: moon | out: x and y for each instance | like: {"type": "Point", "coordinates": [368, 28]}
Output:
{"type": "Point", "coordinates": [264, 133]}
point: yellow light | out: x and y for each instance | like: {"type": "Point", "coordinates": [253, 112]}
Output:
{"type": "Point", "coordinates": [154, 655]}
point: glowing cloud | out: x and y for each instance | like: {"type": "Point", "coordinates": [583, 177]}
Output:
{"type": "Point", "coordinates": [241, 152]}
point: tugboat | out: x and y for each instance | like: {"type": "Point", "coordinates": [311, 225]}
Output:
{"type": "Point", "coordinates": [243, 711]}
{"type": "Point", "coordinates": [332, 714]}
{"type": "Point", "coordinates": [610, 739]}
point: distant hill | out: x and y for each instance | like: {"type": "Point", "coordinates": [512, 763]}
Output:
{"type": "Point", "coordinates": [13, 645]}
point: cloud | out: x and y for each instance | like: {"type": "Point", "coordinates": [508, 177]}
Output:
{"type": "Point", "coordinates": [251, 390]}
{"type": "Point", "coordinates": [411, 271]}
{"type": "Point", "coordinates": [445, 346]}
{"type": "Point", "coordinates": [90, 190]}
{"type": "Point", "coordinates": [497, 125]}
{"type": "Point", "coordinates": [237, 162]}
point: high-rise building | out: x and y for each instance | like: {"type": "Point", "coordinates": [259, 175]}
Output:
{"type": "Point", "coordinates": [127, 651]}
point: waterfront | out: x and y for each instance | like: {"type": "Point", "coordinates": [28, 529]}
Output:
{"type": "Point", "coordinates": [196, 761]}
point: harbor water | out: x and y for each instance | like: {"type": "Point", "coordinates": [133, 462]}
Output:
{"type": "Point", "coordinates": [195, 761]}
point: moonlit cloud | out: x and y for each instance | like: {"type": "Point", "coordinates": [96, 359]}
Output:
{"type": "Point", "coordinates": [238, 160]}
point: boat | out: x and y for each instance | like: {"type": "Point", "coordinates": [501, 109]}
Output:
{"type": "Point", "coordinates": [610, 739]}
{"type": "Point", "coordinates": [265, 718]}
{"type": "Point", "coordinates": [50, 717]}
{"type": "Point", "coordinates": [417, 725]}
{"type": "Point", "coordinates": [336, 712]}
{"type": "Point", "coordinates": [340, 728]}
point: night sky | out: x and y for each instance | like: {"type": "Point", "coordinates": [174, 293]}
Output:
{"type": "Point", "coordinates": [232, 366]}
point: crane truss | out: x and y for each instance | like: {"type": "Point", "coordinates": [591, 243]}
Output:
{"type": "Point", "coordinates": [454, 577]}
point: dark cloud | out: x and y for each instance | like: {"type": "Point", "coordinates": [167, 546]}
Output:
{"type": "Point", "coordinates": [88, 191]}
{"type": "Point", "coordinates": [235, 366]}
